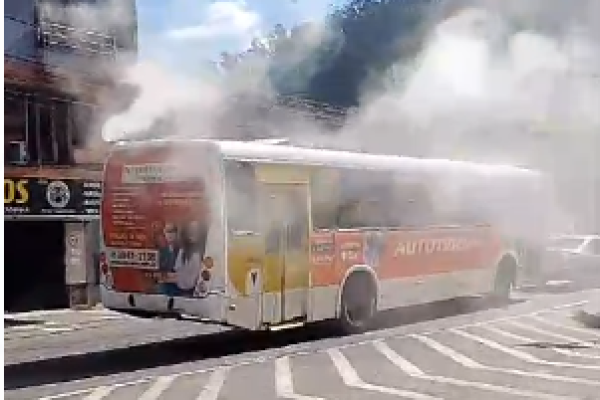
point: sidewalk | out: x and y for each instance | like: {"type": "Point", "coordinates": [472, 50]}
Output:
{"type": "Point", "coordinates": [39, 336]}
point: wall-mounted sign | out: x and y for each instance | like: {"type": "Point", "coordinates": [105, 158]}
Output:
{"type": "Point", "coordinates": [44, 197]}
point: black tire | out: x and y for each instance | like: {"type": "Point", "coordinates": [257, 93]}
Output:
{"type": "Point", "coordinates": [505, 279]}
{"type": "Point", "coordinates": [358, 304]}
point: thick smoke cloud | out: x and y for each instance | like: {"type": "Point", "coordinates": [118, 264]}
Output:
{"type": "Point", "coordinates": [516, 82]}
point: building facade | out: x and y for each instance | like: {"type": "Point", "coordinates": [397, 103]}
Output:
{"type": "Point", "coordinates": [61, 60]}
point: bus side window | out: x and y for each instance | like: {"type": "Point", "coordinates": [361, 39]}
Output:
{"type": "Point", "coordinates": [365, 200]}
{"type": "Point", "coordinates": [324, 198]}
{"type": "Point", "coordinates": [241, 195]}
{"type": "Point", "coordinates": [413, 205]}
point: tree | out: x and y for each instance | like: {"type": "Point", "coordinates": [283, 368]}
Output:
{"type": "Point", "coordinates": [377, 34]}
{"type": "Point", "coordinates": [362, 39]}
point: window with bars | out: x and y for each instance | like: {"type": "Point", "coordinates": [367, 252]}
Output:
{"type": "Point", "coordinates": [65, 38]}
{"type": "Point", "coordinates": [44, 130]}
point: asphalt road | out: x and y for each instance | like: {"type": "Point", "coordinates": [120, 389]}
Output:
{"type": "Point", "coordinates": [529, 349]}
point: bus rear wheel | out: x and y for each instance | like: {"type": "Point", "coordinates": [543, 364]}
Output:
{"type": "Point", "coordinates": [505, 279]}
{"type": "Point", "coordinates": [358, 303]}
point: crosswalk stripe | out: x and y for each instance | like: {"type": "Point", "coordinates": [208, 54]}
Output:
{"type": "Point", "coordinates": [284, 384]}
{"type": "Point", "coordinates": [351, 378]}
{"type": "Point", "coordinates": [470, 363]}
{"type": "Point", "coordinates": [99, 393]}
{"type": "Point", "coordinates": [214, 384]}
{"type": "Point", "coordinates": [159, 386]}
{"type": "Point", "coordinates": [585, 331]}
{"type": "Point", "coordinates": [527, 340]}
{"type": "Point", "coordinates": [407, 367]}
{"type": "Point", "coordinates": [555, 335]}
{"type": "Point", "coordinates": [518, 354]}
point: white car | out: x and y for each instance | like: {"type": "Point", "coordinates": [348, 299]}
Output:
{"type": "Point", "coordinates": [573, 259]}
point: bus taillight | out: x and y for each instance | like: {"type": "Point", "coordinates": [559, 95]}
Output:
{"type": "Point", "coordinates": [103, 264]}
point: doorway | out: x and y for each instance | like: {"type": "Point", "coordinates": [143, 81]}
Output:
{"type": "Point", "coordinates": [34, 266]}
{"type": "Point", "coordinates": [286, 228]}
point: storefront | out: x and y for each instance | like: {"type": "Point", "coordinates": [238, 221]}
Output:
{"type": "Point", "coordinates": [51, 241]}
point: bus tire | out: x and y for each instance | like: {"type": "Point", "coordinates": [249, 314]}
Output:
{"type": "Point", "coordinates": [358, 303]}
{"type": "Point", "coordinates": [506, 277]}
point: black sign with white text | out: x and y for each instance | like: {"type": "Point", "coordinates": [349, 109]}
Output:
{"type": "Point", "coordinates": [45, 197]}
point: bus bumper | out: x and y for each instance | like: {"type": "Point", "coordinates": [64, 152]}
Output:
{"type": "Point", "coordinates": [209, 308]}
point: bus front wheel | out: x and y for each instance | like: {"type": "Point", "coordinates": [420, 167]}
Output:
{"type": "Point", "coordinates": [358, 303]}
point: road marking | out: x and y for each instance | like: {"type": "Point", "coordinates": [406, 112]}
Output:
{"type": "Point", "coordinates": [518, 316]}
{"type": "Point", "coordinates": [566, 327]}
{"type": "Point", "coordinates": [79, 392]}
{"type": "Point", "coordinates": [568, 339]}
{"type": "Point", "coordinates": [351, 378]}
{"type": "Point", "coordinates": [572, 353]}
{"type": "Point", "coordinates": [527, 340]}
{"type": "Point", "coordinates": [214, 384]}
{"type": "Point", "coordinates": [413, 371]}
{"type": "Point", "coordinates": [284, 383]}
{"type": "Point", "coordinates": [386, 333]}
{"type": "Point", "coordinates": [470, 363]}
{"type": "Point", "coordinates": [99, 393]}
{"type": "Point", "coordinates": [58, 329]}
{"type": "Point", "coordinates": [516, 353]}
{"type": "Point", "coordinates": [158, 387]}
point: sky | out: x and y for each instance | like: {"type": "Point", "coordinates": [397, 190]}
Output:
{"type": "Point", "coordinates": [185, 34]}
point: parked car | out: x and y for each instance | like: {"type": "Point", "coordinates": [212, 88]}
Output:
{"type": "Point", "coordinates": [573, 260]}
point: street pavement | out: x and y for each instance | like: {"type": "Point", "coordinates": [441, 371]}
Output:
{"type": "Point", "coordinates": [35, 336]}
{"type": "Point", "coordinates": [531, 349]}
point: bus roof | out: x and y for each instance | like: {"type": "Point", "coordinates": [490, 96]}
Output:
{"type": "Point", "coordinates": [283, 154]}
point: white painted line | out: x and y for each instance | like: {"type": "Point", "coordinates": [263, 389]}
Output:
{"type": "Point", "coordinates": [407, 367]}
{"type": "Point", "coordinates": [79, 392]}
{"type": "Point", "coordinates": [158, 387]}
{"type": "Point", "coordinates": [573, 353]}
{"type": "Point", "coordinates": [555, 335]}
{"type": "Point", "coordinates": [585, 331]}
{"type": "Point", "coordinates": [472, 364]}
{"type": "Point", "coordinates": [518, 316]}
{"type": "Point", "coordinates": [57, 329]}
{"type": "Point", "coordinates": [284, 383]}
{"type": "Point", "coordinates": [214, 384]}
{"type": "Point", "coordinates": [519, 354]}
{"type": "Point", "coordinates": [519, 338]}
{"type": "Point", "coordinates": [99, 393]}
{"type": "Point", "coordinates": [568, 305]}
{"type": "Point", "coordinates": [527, 340]}
{"type": "Point", "coordinates": [351, 378]}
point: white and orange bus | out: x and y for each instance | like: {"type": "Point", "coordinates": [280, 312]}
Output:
{"type": "Point", "coordinates": [265, 236]}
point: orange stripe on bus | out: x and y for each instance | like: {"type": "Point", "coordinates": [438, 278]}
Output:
{"type": "Point", "coordinates": [402, 254]}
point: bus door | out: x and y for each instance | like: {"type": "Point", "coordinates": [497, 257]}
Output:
{"type": "Point", "coordinates": [285, 217]}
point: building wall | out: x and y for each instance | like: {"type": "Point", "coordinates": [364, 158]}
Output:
{"type": "Point", "coordinates": [56, 74]}
{"type": "Point", "coordinates": [19, 30]}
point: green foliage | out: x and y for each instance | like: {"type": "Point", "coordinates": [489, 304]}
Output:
{"type": "Point", "coordinates": [362, 38]}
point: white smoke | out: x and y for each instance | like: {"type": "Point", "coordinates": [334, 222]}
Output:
{"type": "Point", "coordinates": [480, 89]}
{"type": "Point", "coordinates": [485, 91]}
{"type": "Point", "coordinates": [465, 87]}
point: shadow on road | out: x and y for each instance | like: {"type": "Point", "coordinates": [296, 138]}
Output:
{"type": "Point", "coordinates": [172, 352]}
{"type": "Point", "coordinates": [12, 322]}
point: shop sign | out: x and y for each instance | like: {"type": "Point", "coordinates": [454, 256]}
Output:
{"type": "Point", "coordinates": [51, 197]}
